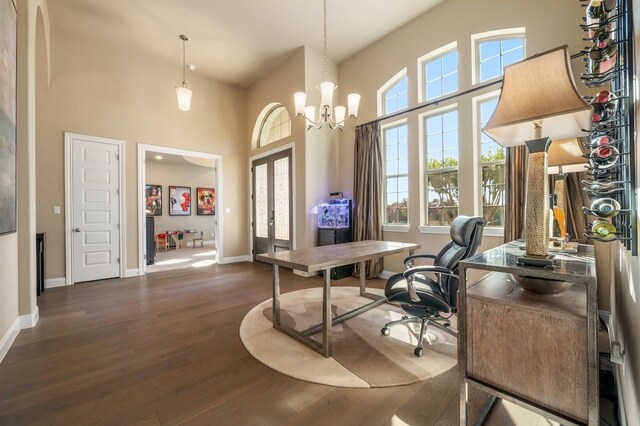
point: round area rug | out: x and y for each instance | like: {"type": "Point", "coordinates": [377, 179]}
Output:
{"type": "Point", "coordinates": [362, 356]}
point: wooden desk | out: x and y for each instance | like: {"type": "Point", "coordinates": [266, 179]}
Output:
{"type": "Point", "coordinates": [538, 351]}
{"type": "Point", "coordinates": [323, 259]}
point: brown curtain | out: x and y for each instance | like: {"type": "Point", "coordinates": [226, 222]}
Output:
{"type": "Point", "coordinates": [368, 186]}
{"type": "Point", "coordinates": [515, 192]}
{"type": "Point", "coordinates": [575, 200]}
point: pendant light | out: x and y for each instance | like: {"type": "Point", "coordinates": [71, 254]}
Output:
{"type": "Point", "coordinates": [183, 92]}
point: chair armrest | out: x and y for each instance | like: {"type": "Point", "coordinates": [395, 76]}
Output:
{"type": "Point", "coordinates": [408, 261]}
{"type": "Point", "coordinates": [409, 275]}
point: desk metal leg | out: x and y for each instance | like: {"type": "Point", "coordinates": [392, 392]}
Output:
{"type": "Point", "coordinates": [326, 314]}
{"type": "Point", "coordinates": [276, 295]}
{"type": "Point", "coordinates": [462, 347]}
{"type": "Point", "coordinates": [486, 409]}
{"type": "Point", "coordinates": [363, 278]}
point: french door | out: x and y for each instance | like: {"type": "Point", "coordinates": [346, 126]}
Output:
{"type": "Point", "coordinates": [272, 203]}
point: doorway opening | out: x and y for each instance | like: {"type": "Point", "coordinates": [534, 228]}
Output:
{"type": "Point", "coordinates": [179, 209]}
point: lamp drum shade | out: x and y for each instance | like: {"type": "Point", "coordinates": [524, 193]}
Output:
{"type": "Point", "coordinates": [539, 89]}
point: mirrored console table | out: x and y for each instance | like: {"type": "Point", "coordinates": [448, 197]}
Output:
{"type": "Point", "coordinates": [538, 351]}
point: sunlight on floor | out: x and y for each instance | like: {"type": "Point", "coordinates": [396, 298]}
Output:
{"type": "Point", "coordinates": [172, 261]}
{"type": "Point", "coordinates": [200, 257]}
{"type": "Point", "coordinates": [206, 253]}
{"type": "Point", "coordinates": [203, 263]}
{"type": "Point", "coordinates": [396, 421]}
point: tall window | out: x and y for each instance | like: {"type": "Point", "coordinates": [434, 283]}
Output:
{"type": "Point", "coordinates": [492, 162]}
{"type": "Point", "coordinates": [441, 171]}
{"type": "Point", "coordinates": [493, 55]}
{"type": "Point", "coordinates": [396, 174]}
{"type": "Point", "coordinates": [276, 125]}
{"type": "Point", "coordinates": [441, 75]}
{"type": "Point", "coordinates": [396, 97]}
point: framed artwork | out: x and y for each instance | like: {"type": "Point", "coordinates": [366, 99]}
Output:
{"type": "Point", "coordinates": [179, 200]}
{"type": "Point", "coordinates": [8, 26]}
{"type": "Point", "coordinates": [153, 200]}
{"type": "Point", "coordinates": [206, 201]}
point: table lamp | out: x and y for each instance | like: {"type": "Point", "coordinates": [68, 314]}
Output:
{"type": "Point", "coordinates": [564, 156]}
{"type": "Point", "coordinates": [539, 95]}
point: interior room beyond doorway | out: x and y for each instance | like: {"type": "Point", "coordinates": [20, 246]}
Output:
{"type": "Point", "coordinates": [180, 209]}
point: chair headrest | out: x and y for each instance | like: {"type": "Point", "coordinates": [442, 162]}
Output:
{"type": "Point", "coordinates": [462, 229]}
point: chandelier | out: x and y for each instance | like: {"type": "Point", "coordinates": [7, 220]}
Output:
{"type": "Point", "coordinates": [183, 92]}
{"type": "Point", "coordinates": [327, 114]}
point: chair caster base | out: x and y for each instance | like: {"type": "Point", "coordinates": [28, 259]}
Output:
{"type": "Point", "coordinates": [385, 331]}
{"type": "Point", "coordinates": [418, 352]}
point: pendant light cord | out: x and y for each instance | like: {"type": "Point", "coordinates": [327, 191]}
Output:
{"type": "Point", "coordinates": [184, 61]}
{"type": "Point", "coordinates": [325, 42]}
{"type": "Point", "coordinates": [184, 39]}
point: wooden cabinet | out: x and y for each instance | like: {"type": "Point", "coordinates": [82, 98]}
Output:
{"type": "Point", "coordinates": [536, 350]}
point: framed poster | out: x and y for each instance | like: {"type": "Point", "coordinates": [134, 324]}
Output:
{"type": "Point", "coordinates": [206, 201]}
{"type": "Point", "coordinates": [153, 200]}
{"type": "Point", "coordinates": [179, 200]}
{"type": "Point", "coordinates": [8, 26]}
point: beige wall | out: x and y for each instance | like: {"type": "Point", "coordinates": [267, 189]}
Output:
{"type": "Point", "coordinates": [165, 174]}
{"type": "Point", "coordinates": [17, 260]}
{"type": "Point", "coordinates": [98, 89]}
{"type": "Point", "coordinates": [279, 87]}
{"type": "Point", "coordinates": [625, 311]}
{"type": "Point", "coordinates": [9, 286]}
{"type": "Point", "coordinates": [321, 154]}
{"type": "Point", "coordinates": [548, 24]}
{"type": "Point", "coordinates": [625, 291]}
{"type": "Point", "coordinates": [316, 153]}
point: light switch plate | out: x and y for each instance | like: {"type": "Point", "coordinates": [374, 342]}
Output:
{"type": "Point", "coordinates": [56, 209]}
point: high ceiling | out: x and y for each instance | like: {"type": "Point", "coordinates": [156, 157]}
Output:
{"type": "Point", "coordinates": [234, 41]}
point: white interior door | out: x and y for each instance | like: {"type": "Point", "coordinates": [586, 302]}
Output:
{"type": "Point", "coordinates": [95, 208]}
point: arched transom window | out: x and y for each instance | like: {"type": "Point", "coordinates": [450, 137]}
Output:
{"type": "Point", "coordinates": [275, 126]}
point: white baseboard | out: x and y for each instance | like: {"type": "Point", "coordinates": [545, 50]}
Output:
{"type": "Point", "coordinates": [55, 282]}
{"type": "Point", "coordinates": [131, 273]}
{"type": "Point", "coordinates": [235, 259]}
{"type": "Point", "coordinates": [9, 337]}
{"type": "Point", "coordinates": [30, 320]}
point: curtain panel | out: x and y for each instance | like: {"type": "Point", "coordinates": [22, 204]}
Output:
{"type": "Point", "coordinates": [368, 192]}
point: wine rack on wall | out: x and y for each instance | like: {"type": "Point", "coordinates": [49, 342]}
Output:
{"type": "Point", "coordinates": [610, 147]}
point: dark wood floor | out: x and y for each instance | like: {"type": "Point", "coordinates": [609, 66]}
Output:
{"type": "Point", "coordinates": [165, 349]}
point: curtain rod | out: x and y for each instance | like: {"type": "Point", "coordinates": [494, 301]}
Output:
{"type": "Point", "coordinates": [435, 103]}
{"type": "Point", "coordinates": [424, 105]}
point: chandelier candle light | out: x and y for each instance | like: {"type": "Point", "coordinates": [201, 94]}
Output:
{"type": "Point", "coordinates": [327, 114]}
{"type": "Point", "coordinates": [183, 92]}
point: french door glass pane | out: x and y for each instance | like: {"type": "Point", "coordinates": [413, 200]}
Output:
{"type": "Point", "coordinates": [262, 209]}
{"type": "Point", "coordinates": [281, 197]}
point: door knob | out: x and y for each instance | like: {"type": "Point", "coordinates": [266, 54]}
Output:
{"type": "Point", "coordinates": [76, 230]}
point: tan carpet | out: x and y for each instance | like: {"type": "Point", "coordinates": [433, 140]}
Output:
{"type": "Point", "coordinates": [362, 356]}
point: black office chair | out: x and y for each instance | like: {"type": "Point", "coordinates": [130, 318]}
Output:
{"type": "Point", "coordinates": [424, 298]}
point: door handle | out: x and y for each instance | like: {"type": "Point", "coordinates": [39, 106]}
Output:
{"type": "Point", "coordinates": [76, 230]}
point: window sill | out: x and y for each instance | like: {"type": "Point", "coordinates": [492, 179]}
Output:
{"type": "Point", "coordinates": [487, 232]}
{"type": "Point", "coordinates": [493, 231]}
{"type": "Point", "coordinates": [444, 230]}
{"type": "Point", "coordinates": [396, 228]}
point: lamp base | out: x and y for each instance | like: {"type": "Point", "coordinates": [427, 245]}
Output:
{"type": "Point", "coordinates": [538, 261]}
